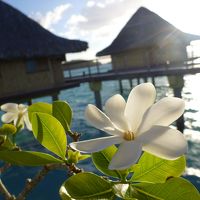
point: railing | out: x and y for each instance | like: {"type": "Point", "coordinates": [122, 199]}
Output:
{"type": "Point", "coordinates": [184, 67]}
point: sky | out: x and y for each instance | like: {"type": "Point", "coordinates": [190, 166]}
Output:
{"type": "Point", "coordinates": [99, 21]}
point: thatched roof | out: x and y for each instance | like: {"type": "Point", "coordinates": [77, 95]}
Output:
{"type": "Point", "coordinates": [144, 29]}
{"type": "Point", "coordinates": [22, 37]}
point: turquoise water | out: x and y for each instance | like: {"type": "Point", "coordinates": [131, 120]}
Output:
{"type": "Point", "coordinates": [78, 98]}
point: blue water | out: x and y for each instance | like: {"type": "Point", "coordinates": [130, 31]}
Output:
{"type": "Point", "coordinates": [78, 98]}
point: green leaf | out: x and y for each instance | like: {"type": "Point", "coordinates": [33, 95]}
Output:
{"type": "Point", "coordinates": [28, 158]}
{"type": "Point", "coordinates": [63, 194]}
{"type": "Point", "coordinates": [102, 159]}
{"type": "Point", "coordinates": [86, 186]}
{"type": "Point", "coordinates": [50, 133]}
{"type": "Point", "coordinates": [83, 157]}
{"type": "Point", "coordinates": [156, 170]}
{"type": "Point", "coordinates": [124, 191]}
{"type": "Point", "coordinates": [63, 112]}
{"type": "Point", "coordinates": [39, 107]}
{"type": "Point", "coordinates": [174, 188]}
{"type": "Point", "coordinates": [8, 129]}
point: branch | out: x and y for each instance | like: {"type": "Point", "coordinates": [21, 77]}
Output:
{"type": "Point", "coordinates": [5, 192]}
{"type": "Point", "coordinates": [73, 169]}
{"type": "Point", "coordinates": [74, 135]}
{"type": "Point", "coordinates": [4, 168]}
{"type": "Point", "coordinates": [31, 183]}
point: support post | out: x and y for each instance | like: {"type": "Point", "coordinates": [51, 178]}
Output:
{"type": "Point", "coordinates": [70, 74]}
{"type": "Point", "coordinates": [145, 79]}
{"type": "Point", "coordinates": [131, 83]}
{"type": "Point", "coordinates": [96, 88]}
{"type": "Point", "coordinates": [55, 96]}
{"type": "Point", "coordinates": [138, 80]}
{"type": "Point", "coordinates": [89, 71]}
{"type": "Point", "coordinates": [153, 80]}
{"type": "Point", "coordinates": [177, 84]}
{"type": "Point", "coordinates": [120, 86]}
{"type": "Point", "coordinates": [97, 65]}
{"type": "Point", "coordinates": [29, 102]}
{"type": "Point", "coordinates": [180, 121]}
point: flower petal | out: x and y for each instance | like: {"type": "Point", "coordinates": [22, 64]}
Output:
{"type": "Point", "coordinates": [127, 155]}
{"type": "Point", "coordinates": [10, 107]}
{"type": "Point", "coordinates": [100, 121]}
{"type": "Point", "coordinates": [162, 113]}
{"type": "Point", "coordinates": [27, 122]}
{"type": "Point", "coordinates": [139, 100]}
{"type": "Point", "coordinates": [114, 109]}
{"type": "Point", "coordinates": [8, 117]}
{"type": "Point", "coordinates": [164, 142]}
{"type": "Point", "coordinates": [94, 145]}
{"type": "Point", "coordinates": [22, 108]}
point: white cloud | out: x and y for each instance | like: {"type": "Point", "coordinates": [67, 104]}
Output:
{"type": "Point", "coordinates": [90, 4]}
{"type": "Point", "coordinates": [76, 19]}
{"type": "Point", "coordinates": [105, 13]}
{"type": "Point", "coordinates": [99, 23]}
{"type": "Point", "coordinates": [52, 17]}
{"type": "Point", "coordinates": [101, 5]}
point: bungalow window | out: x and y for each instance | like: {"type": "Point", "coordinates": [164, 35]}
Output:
{"type": "Point", "coordinates": [33, 66]}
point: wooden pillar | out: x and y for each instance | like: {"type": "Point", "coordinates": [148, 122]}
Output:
{"type": "Point", "coordinates": [70, 74]}
{"type": "Point", "coordinates": [153, 80]}
{"type": "Point", "coordinates": [131, 83]}
{"type": "Point", "coordinates": [29, 102]}
{"type": "Point", "coordinates": [180, 122]}
{"type": "Point", "coordinates": [55, 96]}
{"type": "Point", "coordinates": [138, 80]}
{"type": "Point", "coordinates": [97, 64]}
{"type": "Point", "coordinates": [177, 83]}
{"type": "Point", "coordinates": [120, 86]}
{"type": "Point", "coordinates": [145, 79]}
{"type": "Point", "coordinates": [89, 70]}
{"type": "Point", "coordinates": [96, 88]}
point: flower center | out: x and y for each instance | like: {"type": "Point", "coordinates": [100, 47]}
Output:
{"type": "Point", "coordinates": [129, 135]}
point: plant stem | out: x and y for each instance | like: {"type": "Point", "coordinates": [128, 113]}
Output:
{"type": "Point", "coordinates": [74, 135]}
{"type": "Point", "coordinates": [5, 192]}
{"type": "Point", "coordinates": [73, 169]}
{"type": "Point", "coordinates": [4, 168]}
{"type": "Point", "coordinates": [31, 183]}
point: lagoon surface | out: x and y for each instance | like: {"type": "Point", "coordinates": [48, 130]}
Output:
{"type": "Point", "coordinates": [78, 98]}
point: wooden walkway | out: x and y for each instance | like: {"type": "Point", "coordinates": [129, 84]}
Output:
{"type": "Point", "coordinates": [140, 72]}
{"type": "Point", "coordinates": [75, 81]}
{"type": "Point", "coordinates": [22, 97]}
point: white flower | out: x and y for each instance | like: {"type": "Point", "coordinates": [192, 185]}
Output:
{"type": "Point", "coordinates": [136, 125]}
{"type": "Point", "coordinates": [16, 113]}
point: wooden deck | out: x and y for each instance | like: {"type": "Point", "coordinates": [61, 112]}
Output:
{"type": "Point", "coordinates": [140, 72]}
{"type": "Point", "coordinates": [75, 81]}
{"type": "Point", "coordinates": [27, 96]}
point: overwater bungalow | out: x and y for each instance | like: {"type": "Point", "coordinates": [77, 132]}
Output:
{"type": "Point", "coordinates": [148, 40]}
{"type": "Point", "coordinates": [30, 56]}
